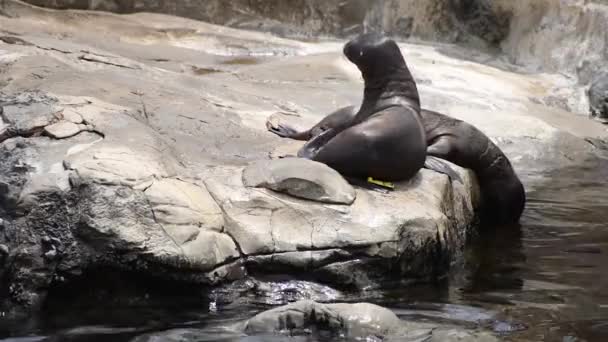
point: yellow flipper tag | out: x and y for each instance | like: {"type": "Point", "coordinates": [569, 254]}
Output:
{"type": "Point", "coordinates": [381, 183]}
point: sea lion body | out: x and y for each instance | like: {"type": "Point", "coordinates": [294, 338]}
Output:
{"type": "Point", "coordinates": [390, 137]}
{"type": "Point", "coordinates": [502, 193]}
{"type": "Point", "coordinates": [384, 139]}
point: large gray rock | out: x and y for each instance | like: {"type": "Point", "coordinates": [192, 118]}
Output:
{"type": "Point", "coordinates": [174, 112]}
{"type": "Point", "coordinates": [300, 178]}
{"type": "Point", "coordinates": [345, 245]}
{"type": "Point", "coordinates": [570, 35]}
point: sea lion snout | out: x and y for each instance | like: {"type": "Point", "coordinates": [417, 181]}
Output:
{"type": "Point", "coordinates": [362, 45]}
{"type": "Point", "coordinates": [372, 52]}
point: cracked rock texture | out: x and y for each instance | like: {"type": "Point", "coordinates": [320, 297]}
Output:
{"type": "Point", "coordinates": [138, 142]}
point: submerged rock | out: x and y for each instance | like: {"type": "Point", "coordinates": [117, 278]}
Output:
{"type": "Point", "coordinates": [308, 320]}
{"type": "Point", "coordinates": [350, 320]}
{"type": "Point", "coordinates": [301, 178]}
{"type": "Point", "coordinates": [353, 321]}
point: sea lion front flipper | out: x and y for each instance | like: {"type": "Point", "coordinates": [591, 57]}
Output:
{"type": "Point", "coordinates": [312, 147]}
{"type": "Point", "coordinates": [281, 130]}
{"type": "Point", "coordinates": [439, 165]}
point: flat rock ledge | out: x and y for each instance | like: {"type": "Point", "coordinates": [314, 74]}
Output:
{"type": "Point", "coordinates": [115, 194]}
{"type": "Point", "coordinates": [359, 321]}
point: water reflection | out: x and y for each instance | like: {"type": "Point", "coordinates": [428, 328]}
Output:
{"type": "Point", "coordinates": [551, 273]}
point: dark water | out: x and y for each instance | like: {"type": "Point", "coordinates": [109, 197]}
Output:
{"type": "Point", "coordinates": [546, 281]}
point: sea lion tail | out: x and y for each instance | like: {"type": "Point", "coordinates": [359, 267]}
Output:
{"type": "Point", "coordinates": [439, 165]}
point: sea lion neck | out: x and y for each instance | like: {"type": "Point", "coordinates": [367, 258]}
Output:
{"type": "Point", "coordinates": [396, 86]}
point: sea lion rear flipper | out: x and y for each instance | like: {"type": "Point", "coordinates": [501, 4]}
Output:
{"type": "Point", "coordinates": [439, 165]}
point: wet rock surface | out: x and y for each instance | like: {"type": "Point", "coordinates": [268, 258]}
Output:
{"type": "Point", "coordinates": [352, 321]}
{"type": "Point", "coordinates": [170, 116]}
{"type": "Point", "coordinates": [307, 320]}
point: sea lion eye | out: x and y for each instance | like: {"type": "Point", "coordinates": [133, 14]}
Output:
{"type": "Point", "coordinates": [360, 53]}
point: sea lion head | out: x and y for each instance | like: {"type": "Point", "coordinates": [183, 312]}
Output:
{"type": "Point", "coordinates": [373, 53]}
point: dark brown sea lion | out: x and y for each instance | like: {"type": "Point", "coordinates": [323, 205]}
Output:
{"type": "Point", "coordinates": [388, 82]}
{"type": "Point", "coordinates": [503, 195]}
{"type": "Point", "coordinates": [384, 139]}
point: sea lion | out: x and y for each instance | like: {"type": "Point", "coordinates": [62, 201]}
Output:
{"type": "Point", "coordinates": [502, 193]}
{"type": "Point", "coordinates": [384, 139]}
{"type": "Point", "coordinates": [391, 114]}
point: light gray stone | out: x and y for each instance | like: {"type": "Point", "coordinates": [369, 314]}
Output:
{"type": "Point", "coordinates": [301, 178]}
{"type": "Point", "coordinates": [62, 129]}
{"type": "Point", "coordinates": [119, 224]}
{"type": "Point", "coordinates": [184, 209]}
{"type": "Point", "coordinates": [355, 321]}
{"type": "Point", "coordinates": [71, 115]}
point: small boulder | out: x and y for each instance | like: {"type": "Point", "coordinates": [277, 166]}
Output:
{"type": "Point", "coordinates": [359, 320]}
{"type": "Point", "coordinates": [62, 129]}
{"type": "Point", "coordinates": [301, 178]}
{"type": "Point", "coordinates": [598, 97]}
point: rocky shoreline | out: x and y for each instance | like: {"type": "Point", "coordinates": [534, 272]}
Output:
{"type": "Point", "coordinates": [137, 142]}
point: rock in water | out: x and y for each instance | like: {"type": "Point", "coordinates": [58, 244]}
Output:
{"type": "Point", "coordinates": [598, 97]}
{"type": "Point", "coordinates": [352, 320]}
{"type": "Point", "coordinates": [301, 178]}
{"type": "Point", "coordinates": [359, 321]}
